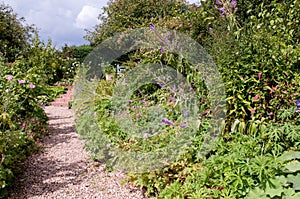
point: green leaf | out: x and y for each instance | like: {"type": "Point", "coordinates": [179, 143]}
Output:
{"type": "Point", "coordinates": [296, 196]}
{"type": "Point", "coordinates": [246, 102]}
{"type": "Point", "coordinates": [283, 180]}
{"type": "Point", "coordinates": [289, 193]}
{"type": "Point", "coordinates": [274, 192]}
{"type": "Point", "coordinates": [256, 193]}
{"type": "Point", "coordinates": [274, 188]}
{"type": "Point", "coordinates": [293, 166]}
{"type": "Point", "coordinates": [295, 179]}
{"type": "Point", "coordinates": [290, 155]}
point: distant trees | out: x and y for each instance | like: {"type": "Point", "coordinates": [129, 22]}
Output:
{"type": "Point", "coordinates": [76, 52]}
{"type": "Point", "coordinates": [14, 35]}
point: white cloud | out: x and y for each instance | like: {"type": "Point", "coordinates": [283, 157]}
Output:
{"type": "Point", "coordinates": [62, 21]}
{"type": "Point", "coordinates": [88, 17]}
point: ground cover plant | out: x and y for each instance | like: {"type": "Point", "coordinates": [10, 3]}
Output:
{"type": "Point", "coordinates": [256, 48]}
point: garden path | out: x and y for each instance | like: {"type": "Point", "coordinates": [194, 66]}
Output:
{"type": "Point", "coordinates": [63, 168]}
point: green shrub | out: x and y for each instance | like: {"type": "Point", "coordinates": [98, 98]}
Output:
{"type": "Point", "coordinates": [24, 91]}
{"type": "Point", "coordinates": [257, 53]}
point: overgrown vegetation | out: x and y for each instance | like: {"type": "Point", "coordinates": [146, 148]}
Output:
{"type": "Point", "coordinates": [29, 68]}
{"type": "Point", "coordinates": [255, 45]}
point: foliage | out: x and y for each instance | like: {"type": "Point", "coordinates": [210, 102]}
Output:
{"type": "Point", "coordinates": [259, 62]}
{"type": "Point", "coordinates": [14, 35]}
{"type": "Point", "coordinates": [138, 14]}
{"type": "Point", "coordinates": [285, 184]}
{"type": "Point", "coordinates": [22, 120]}
{"type": "Point", "coordinates": [72, 56]}
{"type": "Point", "coordinates": [25, 89]}
{"type": "Point", "coordinates": [76, 52]}
{"type": "Point", "coordinates": [256, 48]}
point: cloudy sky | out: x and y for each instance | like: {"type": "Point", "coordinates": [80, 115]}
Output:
{"type": "Point", "coordinates": [62, 21]}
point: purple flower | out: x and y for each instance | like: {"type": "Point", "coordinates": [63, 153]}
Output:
{"type": "Point", "coordinates": [219, 2]}
{"type": "Point", "coordinates": [210, 29]}
{"type": "Point", "coordinates": [172, 99]}
{"type": "Point", "coordinates": [233, 3]}
{"type": "Point", "coordinates": [146, 135]}
{"type": "Point", "coordinates": [32, 86]}
{"type": "Point", "coordinates": [162, 50]}
{"type": "Point", "coordinates": [297, 106]}
{"type": "Point", "coordinates": [166, 121]}
{"type": "Point", "coordinates": [184, 113]}
{"type": "Point", "coordinates": [10, 77]}
{"type": "Point", "coordinates": [151, 26]}
{"type": "Point", "coordinates": [222, 9]}
{"type": "Point", "coordinates": [297, 103]}
{"type": "Point", "coordinates": [22, 81]}
{"type": "Point", "coordinates": [182, 125]}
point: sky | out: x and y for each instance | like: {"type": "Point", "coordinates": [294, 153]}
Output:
{"type": "Point", "coordinates": [62, 21]}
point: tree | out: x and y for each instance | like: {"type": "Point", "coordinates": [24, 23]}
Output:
{"type": "Point", "coordinates": [14, 35]}
{"type": "Point", "coordinates": [118, 16]}
{"type": "Point", "coordinates": [76, 52]}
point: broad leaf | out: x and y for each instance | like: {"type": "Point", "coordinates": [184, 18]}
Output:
{"type": "Point", "coordinates": [290, 155]}
{"type": "Point", "coordinates": [293, 166]}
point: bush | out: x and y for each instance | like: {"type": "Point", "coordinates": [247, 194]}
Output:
{"type": "Point", "coordinates": [25, 89]}
{"type": "Point", "coordinates": [257, 53]}
{"type": "Point", "coordinates": [22, 120]}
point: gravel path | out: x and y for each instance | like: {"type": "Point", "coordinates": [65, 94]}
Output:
{"type": "Point", "coordinates": [63, 169]}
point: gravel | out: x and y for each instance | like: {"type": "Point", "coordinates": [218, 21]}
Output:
{"type": "Point", "coordinates": [63, 168]}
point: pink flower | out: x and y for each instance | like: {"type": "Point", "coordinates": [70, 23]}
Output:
{"type": "Point", "coordinates": [146, 135]}
{"type": "Point", "coordinates": [259, 75]}
{"type": "Point", "coordinates": [23, 125]}
{"type": "Point", "coordinates": [22, 81]}
{"type": "Point", "coordinates": [32, 86]}
{"type": "Point", "coordinates": [256, 97]}
{"type": "Point", "coordinates": [10, 77]}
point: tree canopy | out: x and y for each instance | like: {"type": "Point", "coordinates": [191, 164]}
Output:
{"type": "Point", "coordinates": [121, 15]}
{"type": "Point", "coordinates": [14, 35]}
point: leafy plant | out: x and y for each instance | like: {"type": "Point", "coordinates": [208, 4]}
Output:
{"type": "Point", "coordinates": [256, 48]}
{"type": "Point", "coordinates": [286, 184]}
